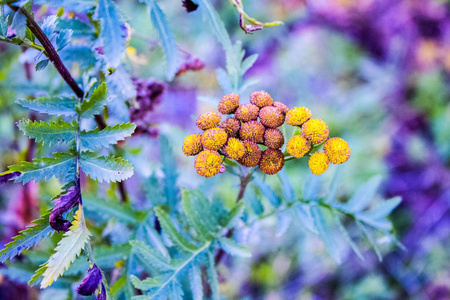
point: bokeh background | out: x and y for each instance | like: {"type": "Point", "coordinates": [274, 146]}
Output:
{"type": "Point", "coordinates": [376, 70]}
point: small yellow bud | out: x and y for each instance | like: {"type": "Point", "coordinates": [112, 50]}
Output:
{"type": "Point", "coordinates": [318, 163]}
{"type": "Point", "coordinates": [337, 150]}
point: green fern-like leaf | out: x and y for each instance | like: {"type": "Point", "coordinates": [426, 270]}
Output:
{"type": "Point", "coordinates": [145, 284]}
{"type": "Point", "coordinates": [172, 232]}
{"type": "Point", "coordinates": [67, 250]}
{"type": "Point", "coordinates": [110, 135]}
{"type": "Point", "coordinates": [96, 102]}
{"type": "Point", "coordinates": [199, 213]}
{"type": "Point", "coordinates": [105, 168]}
{"type": "Point", "coordinates": [111, 209]}
{"type": "Point", "coordinates": [61, 165]}
{"type": "Point", "coordinates": [27, 238]}
{"type": "Point", "coordinates": [55, 133]}
{"type": "Point", "coordinates": [59, 106]}
{"type": "Point", "coordinates": [152, 256]}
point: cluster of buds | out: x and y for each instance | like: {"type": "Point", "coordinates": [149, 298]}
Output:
{"type": "Point", "coordinates": [251, 137]}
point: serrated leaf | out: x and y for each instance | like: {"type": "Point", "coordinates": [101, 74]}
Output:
{"type": "Point", "coordinates": [234, 249]}
{"type": "Point", "coordinates": [51, 105]}
{"type": "Point", "coordinates": [382, 209]}
{"type": "Point", "coordinates": [105, 168]}
{"type": "Point", "coordinates": [48, 26]}
{"type": "Point", "coordinates": [198, 211]}
{"type": "Point", "coordinates": [324, 233]}
{"type": "Point", "coordinates": [113, 32]}
{"type": "Point", "coordinates": [95, 104]}
{"type": "Point", "coordinates": [27, 238]}
{"type": "Point", "coordinates": [363, 195]}
{"type": "Point", "coordinates": [212, 277]}
{"type": "Point", "coordinates": [111, 209]}
{"type": "Point", "coordinates": [42, 64]}
{"type": "Point", "coordinates": [69, 247]}
{"type": "Point", "coordinates": [195, 282]}
{"type": "Point", "coordinates": [266, 190]}
{"type": "Point", "coordinates": [55, 133]}
{"type": "Point", "coordinates": [152, 256]}
{"type": "Point", "coordinates": [145, 284]}
{"type": "Point", "coordinates": [109, 135]}
{"type": "Point", "coordinates": [166, 38]}
{"type": "Point", "coordinates": [233, 57]}
{"type": "Point", "coordinates": [172, 232]}
{"type": "Point", "coordinates": [62, 164]}
{"type": "Point", "coordinates": [63, 39]}
{"type": "Point", "coordinates": [3, 23]}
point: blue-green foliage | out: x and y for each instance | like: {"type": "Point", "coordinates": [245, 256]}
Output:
{"type": "Point", "coordinates": [320, 213]}
{"type": "Point", "coordinates": [63, 165]}
{"type": "Point", "coordinates": [166, 38]}
{"type": "Point", "coordinates": [194, 248]}
{"type": "Point", "coordinates": [59, 106]}
{"type": "Point", "coordinates": [236, 65]}
{"type": "Point", "coordinates": [109, 135]}
{"type": "Point", "coordinates": [27, 238]}
{"type": "Point", "coordinates": [113, 32]}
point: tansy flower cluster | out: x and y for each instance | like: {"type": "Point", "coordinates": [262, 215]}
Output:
{"type": "Point", "coordinates": [250, 137]}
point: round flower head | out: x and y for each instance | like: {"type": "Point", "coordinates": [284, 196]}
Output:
{"type": "Point", "coordinates": [261, 99]}
{"type": "Point", "coordinates": [192, 144]}
{"type": "Point", "coordinates": [272, 161]}
{"type": "Point", "coordinates": [318, 163]}
{"type": "Point", "coordinates": [273, 138]}
{"type": "Point", "coordinates": [252, 131]}
{"type": "Point", "coordinates": [315, 130]}
{"type": "Point", "coordinates": [231, 126]}
{"type": "Point", "coordinates": [213, 139]}
{"type": "Point", "coordinates": [246, 112]}
{"type": "Point", "coordinates": [284, 109]}
{"type": "Point", "coordinates": [234, 149]}
{"type": "Point", "coordinates": [228, 104]}
{"type": "Point", "coordinates": [251, 156]}
{"type": "Point", "coordinates": [298, 146]}
{"type": "Point", "coordinates": [337, 150]}
{"type": "Point", "coordinates": [298, 115]}
{"type": "Point", "coordinates": [208, 120]}
{"type": "Point", "coordinates": [208, 163]}
{"type": "Point", "coordinates": [271, 117]}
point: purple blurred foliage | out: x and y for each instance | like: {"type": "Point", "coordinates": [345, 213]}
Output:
{"type": "Point", "coordinates": [102, 295]}
{"type": "Point", "coordinates": [90, 282]}
{"type": "Point", "coordinates": [6, 177]}
{"type": "Point", "coordinates": [62, 204]}
{"type": "Point", "coordinates": [148, 95]}
{"type": "Point", "coordinates": [190, 64]}
{"type": "Point", "coordinates": [156, 103]}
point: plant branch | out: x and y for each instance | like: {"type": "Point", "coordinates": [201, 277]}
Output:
{"type": "Point", "coordinates": [24, 44]}
{"type": "Point", "coordinates": [51, 52]}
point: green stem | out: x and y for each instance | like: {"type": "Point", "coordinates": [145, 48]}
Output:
{"type": "Point", "coordinates": [24, 44]}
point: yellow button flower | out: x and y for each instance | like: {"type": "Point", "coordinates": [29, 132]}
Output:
{"type": "Point", "coordinates": [192, 144]}
{"type": "Point", "coordinates": [228, 104]}
{"type": "Point", "coordinates": [208, 120]}
{"type": "Point", "coordinates": [234, 148]}
{"type": "Point", "coordinates": [298, 115]}
{"type": "Point", "coordinates": [337, 150]}
{"type": "Point", "coordinates": [318, 163]}
{"type": "Point", "coordinates": [315, 130]}
{"type": "Point", "coordinates": [213, 139]}
{"type": "Point", "coordinates": [298, 146]}
{"type": "Point", "coordinates": [208, 163]}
